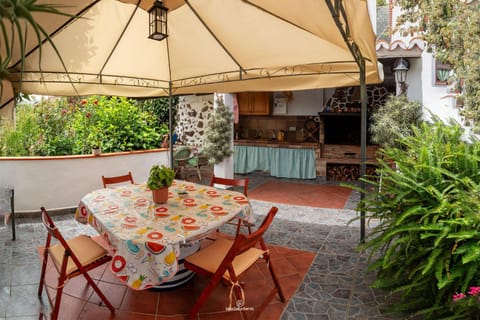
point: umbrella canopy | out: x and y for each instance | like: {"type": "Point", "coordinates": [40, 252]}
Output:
{"type": "Point", "coordinates": [212, 46]}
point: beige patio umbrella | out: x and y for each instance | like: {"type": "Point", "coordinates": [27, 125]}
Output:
{"type": "Point", "coordinates": [212, 46]}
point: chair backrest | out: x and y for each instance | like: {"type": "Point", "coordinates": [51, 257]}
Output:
{"type": "Point", "coordinates": [182, 153]}
{"type": "Point", "coordinates": [231, 182]}
{"type": "Point", "coordinates": [243, 242]}
{"type": "Point", "coordinates": [52, 229]}
{"type": "Point", "coordinates": [117, 179]}
{"type": "Point", "coordinates": [54, 232]}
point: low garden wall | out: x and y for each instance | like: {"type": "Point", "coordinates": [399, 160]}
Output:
{"type": "Point", "coordinates": [58, 183]}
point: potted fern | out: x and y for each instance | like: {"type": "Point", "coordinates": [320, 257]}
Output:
{"type": "Point", "coordinates": [159, 179]}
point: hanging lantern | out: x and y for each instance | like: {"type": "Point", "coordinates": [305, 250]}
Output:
{"type": "Point", "coordinates": [158, 21]}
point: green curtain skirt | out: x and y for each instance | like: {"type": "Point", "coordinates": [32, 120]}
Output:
{"type": "Point", "coordinates": [280, 162]}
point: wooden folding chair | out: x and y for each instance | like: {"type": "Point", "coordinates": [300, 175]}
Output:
{"type": "Point", "coordinates": [117, 179]}
{"type": "Point", "coordinates": [71, 258]}
{"type": "Point", "coordinates": [228, 260]}
{"type": "Point", "coordinates": [233, 183]}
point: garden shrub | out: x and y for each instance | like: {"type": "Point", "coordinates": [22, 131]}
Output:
{"type": "Point", "coordinates": [62, 126]}
{"type": "Point", "coordinates": [56, 136]}
{"type": "Point", "coordinates": [123, 126]}
{"type": "Point", "coordinates": [20, 139]}
{"type": "Point", "coordinates": [394, 120]}
{"type": "Point", "coordinates": [160, 108]}
{"type": "Point", "coordinates": [426, 246]}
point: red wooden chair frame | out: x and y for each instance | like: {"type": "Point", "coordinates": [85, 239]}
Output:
{"type": "Point", "coordinates": [117, 179]}
{"type": "Point", "coordinates": [226, 271]}
{"type": "Point", "coordinates": [68, 254]}
{"type": "Point", "coordinates": [234, 183]}
{"type": "Point", "coordinates": [231, 182]}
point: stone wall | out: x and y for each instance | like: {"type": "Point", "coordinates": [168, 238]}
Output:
{"type": "Point", "coordinates": [192, 117]}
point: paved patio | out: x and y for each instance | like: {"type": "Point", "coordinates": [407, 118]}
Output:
{"type": "Point", "coordinates": [335, 287]}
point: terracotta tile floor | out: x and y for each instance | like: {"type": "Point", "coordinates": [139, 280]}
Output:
{"type": "Point", "coordinates": [334, 197]}
{"type": "Point", "coordinates": [81, 302]}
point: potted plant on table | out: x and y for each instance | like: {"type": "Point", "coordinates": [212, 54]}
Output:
{"type": "Point", "coordinates": [159, 179]}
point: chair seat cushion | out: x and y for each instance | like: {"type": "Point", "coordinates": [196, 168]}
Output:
{"type": "Point", "coordinates": [211, 257]}
{"type": "Point", "coordinates": [86, 250]}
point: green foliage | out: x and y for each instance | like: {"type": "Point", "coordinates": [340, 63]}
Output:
{"type": "Point", "coordinates": [56, 135]}
{"type": "Point", "coordinates": [160, 177]}
{"type": "Point", "coordinates": [159, 107]}
{"type": "Point", "coordinates": [19, 140]}
{"type": "Point", "coordinates": [426, 245]}
{"type": "Point", "coordinates": [452, 31]}
{"type": "Point", "coordinates": [122, 125]}
{"type": "Point", "coordinates": [63, 126]}
{"type": "Point", "coordinates": [466, 305]}
{"type": "Point", "coordinates": [15, 17]}
{"type": "Point", "coordinates": [394, 120]}
{"type": "Point", "coordinates": [219, 135]}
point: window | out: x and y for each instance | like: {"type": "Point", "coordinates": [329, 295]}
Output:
{"type": "Point", "coordinates": [442, 73]}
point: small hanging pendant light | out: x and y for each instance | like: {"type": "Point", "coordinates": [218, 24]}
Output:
{"type": "Point", "coordinates": [158, 21]}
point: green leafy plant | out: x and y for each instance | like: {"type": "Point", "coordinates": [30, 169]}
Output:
{"type": "Point", "coordinates": [63, 126]}
{"type": "Point", "coordinates": [394, 120]}
{"type": "Point", "coordinates": [425, 246]}
{"type": "Point", "coordinates": [219, 135]}
{"type": "Point", "coordinates": [95, 138]}
{"type": "Point", "coordinates": [124, 126]}
{"type": "Point", "coordinates": [17, 16]}
{"type": "Point", "coordinates": [451, 30]}
{"type": "Point", "coordinates": [160, 177]}
{"type": "Point", "coordinates": [19, 139]}
{"type": "Point", "coordinates": [467, 306]}
{"type": "Point", "coordinates": [56, 135]}
{"type": "Point", "coordinates": [160, 108]}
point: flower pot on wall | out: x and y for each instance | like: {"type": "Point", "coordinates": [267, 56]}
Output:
{"type": "Point", "coordinates": [160, 195]}
{"type": "Point", "coordinates": [96, 151]}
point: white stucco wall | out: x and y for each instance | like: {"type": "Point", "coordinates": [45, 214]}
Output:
{"type": "Point", "coordinates": [306, 102]}
{"type": "Point", "coordinates": [60, 182]}
{"type": "Point", "coordinates": [372, 12]}
{"type": "Point", "coordinates": [414, 80]}
{"type": "Point", "coordinates": [435, 97]}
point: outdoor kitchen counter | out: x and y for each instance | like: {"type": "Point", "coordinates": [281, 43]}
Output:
{"type": "Point", "coordinates": [275, 143]}
{"type": "Point", "coordinates": [280, 158]}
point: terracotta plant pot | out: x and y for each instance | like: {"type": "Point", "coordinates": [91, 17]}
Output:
{"type": "Point", "coordinates": [160, 195]}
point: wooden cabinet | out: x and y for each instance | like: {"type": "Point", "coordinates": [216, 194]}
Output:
{"type": "Point", "coordinates": [254, 103]}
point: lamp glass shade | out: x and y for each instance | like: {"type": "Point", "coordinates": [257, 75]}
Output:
{"type": "Point", "coordinates": [401, 69]}
{"type": "Point", "coordinates": [158, 21]}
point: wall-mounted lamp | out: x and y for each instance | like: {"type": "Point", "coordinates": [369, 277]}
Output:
{"type": "Point", "coordinates": [400, 67]}
{"type": "Point", "coordinates": [158, 21]}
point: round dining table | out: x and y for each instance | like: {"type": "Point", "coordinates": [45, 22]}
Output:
{"type": "Point", "coordinates": [146, 237]}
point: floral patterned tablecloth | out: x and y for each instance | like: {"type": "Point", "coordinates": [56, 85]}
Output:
{"type": "Point", "coordinates": [146, 237]}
